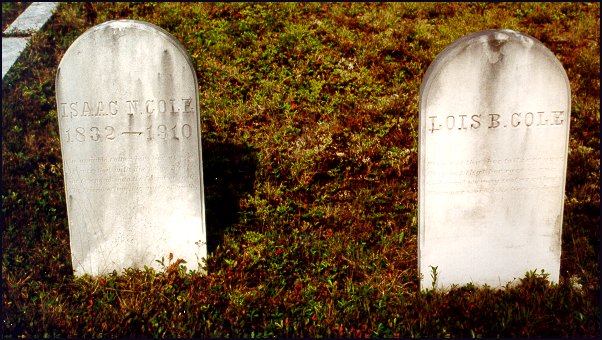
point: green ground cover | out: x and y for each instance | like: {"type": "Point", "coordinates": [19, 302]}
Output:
{"type": "Point", "coordinates": [309, 123]}
{"type": "Point", "coordinates": [10, 11]}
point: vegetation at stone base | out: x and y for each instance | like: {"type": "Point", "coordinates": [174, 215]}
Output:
{"type": "Point", "coordinates": [309, 115]}
{"type": "Point", "coordinates": [11, 10]}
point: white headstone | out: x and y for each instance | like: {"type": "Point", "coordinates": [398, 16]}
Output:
{"type": "Point", "coordinates": [494, 123]}
{"type": "Point", "coordinates": [128, 114]}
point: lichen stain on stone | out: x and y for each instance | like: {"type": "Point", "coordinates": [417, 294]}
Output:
{"type": "Point", "coordinates": [116, 33]}
{"type": "Point", "coordinates": [494, 49]}
{"type": "Point", "coordinates": [556, 245]}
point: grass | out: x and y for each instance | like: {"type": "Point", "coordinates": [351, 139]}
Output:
{"type": "Point", "coordinates": [10, 11]}
{"type": "Point", "coordinates": [309, 124]}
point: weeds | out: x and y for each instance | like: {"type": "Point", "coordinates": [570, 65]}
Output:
{"type": "Point", "coordinates": [11, 10]}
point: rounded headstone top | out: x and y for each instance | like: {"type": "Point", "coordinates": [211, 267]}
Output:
{"type": "Point", "coordinates": [495, 44]}
{"type": "Point", "coordinates": [120, 27]}
{"type": "Point", "coordinates": [120, 53]}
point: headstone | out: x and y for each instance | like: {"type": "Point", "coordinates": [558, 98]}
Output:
{"type": "Point", "coordinates": [494, 123]}
{"type": "Point", "coordinates": [128, 114]}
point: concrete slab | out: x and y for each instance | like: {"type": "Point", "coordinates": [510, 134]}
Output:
{"type": "Point", "coordinates": [32, 19]}
{"type": "Point", "coordinates": [11, 49]}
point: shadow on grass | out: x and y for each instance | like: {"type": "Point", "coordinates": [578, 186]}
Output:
{"type": "Point", "coordinates": [228, 174]}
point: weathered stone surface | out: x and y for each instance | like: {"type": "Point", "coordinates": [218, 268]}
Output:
{"type": "Point", "coordinates": [494, 122]}
{"type": "Point", "coordinates": [128, 114]}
